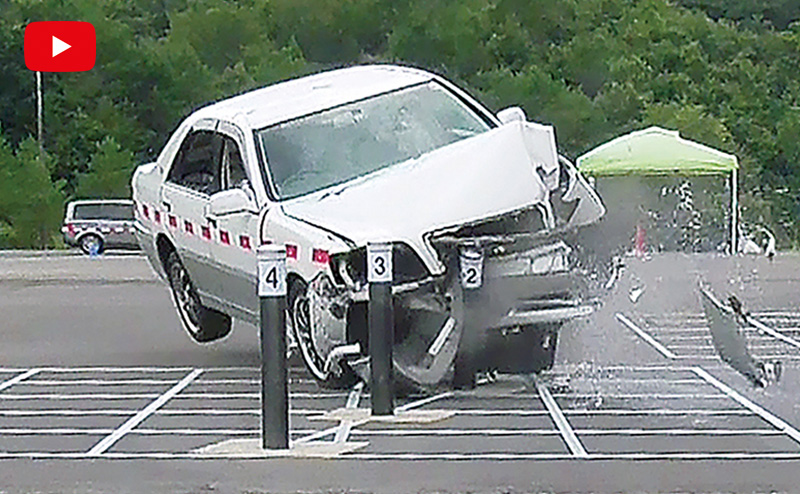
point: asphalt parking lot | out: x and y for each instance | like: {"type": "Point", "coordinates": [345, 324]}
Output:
{"type": "Point", "coordinates": [658, 396]}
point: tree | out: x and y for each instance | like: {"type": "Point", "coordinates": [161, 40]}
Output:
{"type": "Point", "coordinates": [110, 171]}
{"type": "Point", "coordinates": [31, 206]}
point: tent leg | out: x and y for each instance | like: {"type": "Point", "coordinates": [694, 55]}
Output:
{"type": "Point", "coordinates": [734, 212]}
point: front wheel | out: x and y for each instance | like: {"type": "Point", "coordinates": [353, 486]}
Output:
{"type": "Point", "coordinates": [202, 323]}
{"type": "Point", "coordinates": [300, 313]}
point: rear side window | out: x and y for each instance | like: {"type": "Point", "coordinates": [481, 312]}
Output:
{"type": "Point", "coordinates": [197, 164]}
{"type": "Point", "coordinates": [103, 212]}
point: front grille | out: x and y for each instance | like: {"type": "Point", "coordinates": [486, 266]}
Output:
{"type": "Point", "coordinates": [407, 265]}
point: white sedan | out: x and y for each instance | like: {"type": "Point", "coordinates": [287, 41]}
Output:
{"type": "Point", "coordinates": [327, 163]}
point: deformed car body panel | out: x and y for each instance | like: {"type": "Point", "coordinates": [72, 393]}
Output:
{"type": "Point", "coordinates": [490, 174]}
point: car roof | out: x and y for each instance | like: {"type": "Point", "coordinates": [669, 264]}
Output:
{"type": "Point", "coordinates": [294, 98]}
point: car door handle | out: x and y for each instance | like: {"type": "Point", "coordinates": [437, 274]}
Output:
{"type": "Point", "coordinates": [167, 206]}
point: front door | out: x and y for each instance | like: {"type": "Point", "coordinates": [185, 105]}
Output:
{"type": "Point", "coordinates": [235, 256]}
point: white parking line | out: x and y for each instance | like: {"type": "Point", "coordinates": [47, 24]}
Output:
{"type": "Point", "coordinates": [19, 378]}
{"type": "Point", "coordinates": [679, 432]}
{"type": "Point", "coordinates": [256, 396]}
{"type": "Point", "coordinates": [54, 432]}
{"type": "Point", "coordinates": [99, 382]}
{"type": "Point", "coordinates": [763, 327]}
{"type": "Point", "coordinates": [641, 396]}
{"type": "Point", "coordinates": [137, 419]}
{"type": "Point", "coordinates": [233, 411]}
{"type": "Point", "coordinates": [761, 412]}
{"type": "Point", "coordinates": [646, 337]}
{"type": "Point", "coordinates": [404, 408]}
{"type": "Point", "coordinates": [65, 413]}
{"type": "Point", "coordinates": [352, 403]}
{"type": "Point", "coordinates": [777, 314]}
{"type": "Point", "coordinates": [661, 411]}
{"type": "Point", "coordinates": [79, 396]}
{"type": "Point", "coordinates": [424, 401]}
{"type": "Point", "coordinates": [456, 432]}
{"type": "Point", "coordinates": [139, 396]}
{"type": "Point", "coordinates": [561, 422]}
{"type": "Point", "coordinates": [772, 346]}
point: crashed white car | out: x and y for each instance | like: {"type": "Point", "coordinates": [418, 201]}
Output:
{"type": "Point", "coordinates": [327, 163]}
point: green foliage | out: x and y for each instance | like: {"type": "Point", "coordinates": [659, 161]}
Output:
{"type": "Point", "coordinates": [723, 72]}
{"type": "Point", "coordinates": [30, 204]}
{"type": "Point", "coordinates": [109, 175]}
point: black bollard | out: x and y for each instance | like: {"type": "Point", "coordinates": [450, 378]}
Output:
{"type": "Point", "coordinates": [471, 277]}
{"type": "Point", "coordinates": [274, 383]}
{"type": "Point", "coordinates": [381, 326]}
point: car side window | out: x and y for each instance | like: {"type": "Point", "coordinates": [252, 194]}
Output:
{"type": "Point", "coordinates": [233, 172]}
{"type": "Point", "coordinates": [232, 165]}
{"type": "Point", "coordinates": [197, 164]}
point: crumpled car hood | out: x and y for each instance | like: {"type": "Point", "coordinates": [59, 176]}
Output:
{"type": "Point", "coordinates": [476, 178]}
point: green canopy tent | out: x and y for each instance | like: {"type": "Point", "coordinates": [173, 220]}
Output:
{"type": "Point", "coordinates": [657, 151]}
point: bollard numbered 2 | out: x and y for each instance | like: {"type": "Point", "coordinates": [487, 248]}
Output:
{"type": "Point", "coordinates": [471, 277]}
{"type": "Point", "coordinates": [380, 326]}
{"type": "Point", "coordinates": [272, 330]}
{"type": "Point", "coordinates": [471, 268]}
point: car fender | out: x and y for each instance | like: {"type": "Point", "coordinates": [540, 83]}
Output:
{"type": "Point", "coordinates": [309, 247]}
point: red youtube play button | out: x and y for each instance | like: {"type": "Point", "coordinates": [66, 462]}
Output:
{"type": "Point", "coordinates": [60, 46]}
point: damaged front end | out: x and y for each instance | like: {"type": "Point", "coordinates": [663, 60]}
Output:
{"type": "Point", "coordinates": [531, 286]}
{"type": "Point", "coordinates": [505, 194]}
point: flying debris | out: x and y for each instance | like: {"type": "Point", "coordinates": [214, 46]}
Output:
{"type": "Point", "coordinates": [726, 324]}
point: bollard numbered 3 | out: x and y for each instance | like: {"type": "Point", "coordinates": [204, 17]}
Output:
{"type": "Point", "coordinates": [471, 268]}
{"type": "Point", "coordinates": [271, 271]}
{"type": "Point", "coordinates": [379, 263]}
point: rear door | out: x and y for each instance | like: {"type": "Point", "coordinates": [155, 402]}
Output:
{"type": "Point", "coordinates": [193, 177]}
{"type": "Point", "coordinates": [235, 256]}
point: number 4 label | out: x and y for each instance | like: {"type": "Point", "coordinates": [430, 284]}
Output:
{"type": "Point", "coordinates": [379, 263]}
{"type": "Point", "coordinates": [271, 278]}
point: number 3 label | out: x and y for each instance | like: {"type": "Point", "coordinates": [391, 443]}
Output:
{"type": "Point", "coordinates": [379, 263]}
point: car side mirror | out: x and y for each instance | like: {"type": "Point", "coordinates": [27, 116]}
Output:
{"type": "Point", "coordinates": [511, 114]}
{"type": "Point", "coordinates": [231, 201]}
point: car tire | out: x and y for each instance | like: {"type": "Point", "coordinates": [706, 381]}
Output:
{"type": "Point", "coordinates": [91, 242]}
{"type": "Point", "coordinates": [298, 305]}
{"type": "Point", "coordinates": [202, 323]}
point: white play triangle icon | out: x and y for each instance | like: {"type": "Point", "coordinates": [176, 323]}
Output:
{"type": "Point", "coordinates": [59, 46]}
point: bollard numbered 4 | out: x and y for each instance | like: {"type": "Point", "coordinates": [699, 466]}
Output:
{"type": "Point", "coordinates": [272, 331]}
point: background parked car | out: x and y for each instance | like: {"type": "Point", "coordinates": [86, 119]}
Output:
{"type": "Point", "coordinates": [97, 225]}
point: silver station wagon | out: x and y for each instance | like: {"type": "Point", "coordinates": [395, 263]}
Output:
{"type": "Point", "coordinates": [98, 225]}
{"type": "Point", "coordinates": [327, 163]}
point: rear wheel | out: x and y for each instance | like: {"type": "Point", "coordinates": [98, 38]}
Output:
{"type": "Point", "coordinates": [202, 323]}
